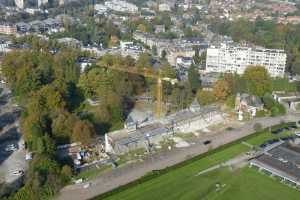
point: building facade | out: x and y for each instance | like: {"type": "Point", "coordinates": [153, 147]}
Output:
{"type": "Point", "coordinates": [235, 59]}
{"type": "Point", "coordinates": [19, 4]}
{"type": "Point", "coordinates": [121, 6]}
{"type": "Point", "coordinates": [8, 29]}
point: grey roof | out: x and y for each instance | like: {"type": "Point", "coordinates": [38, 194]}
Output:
{"type": "Point", "coordinates": [251, 100]}
{"type": "Point", "coordinates": [284, 160]}
{"type": "Point", "coordinates": [187, 114]}
{"type": "Point", "coordinates": [141, 134]}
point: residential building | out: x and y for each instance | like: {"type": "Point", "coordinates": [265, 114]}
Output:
{"type": "Point", "coordinates": [42, 2]}
{"type": "Point", "coordinates": [4, 46]}
{"type": "Point", "coordinates": [175, 52]}
{"type": "Point", "coordinates": [100, 8]}
{"type": "Point", "coordinates": [121, 6]}
{"type": "Point", "coordinates": [23, 27]}
{"type": "Point", "coordinates": [184, 62]}
{"type": "Point", "coordinates": [8, 29]}
{"type": "Point", "coordinates": [164, 7]}
{"type": "Point", "coordinates": [160, 28]}
{"type": "Point", "coordinates": [235, 59]}
{"type": "Point", "coordinates": [248, 103]}
{"type": "Point", "coordinates": [19, 4]}
{"type": "Point", "coordinates": [72, 42]}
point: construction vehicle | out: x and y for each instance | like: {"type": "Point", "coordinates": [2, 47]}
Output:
{"type": "Point", "coordinates": [148, 74]}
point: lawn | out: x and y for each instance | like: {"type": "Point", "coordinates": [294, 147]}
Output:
{"type": "Point", "coordinates": [265, 136]}
{"type": "Point", "coordinates": [177, 182]}
{"type": "Point", "coordinates": [181, 183]}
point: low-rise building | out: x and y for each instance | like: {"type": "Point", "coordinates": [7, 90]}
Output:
{"type": "Point", "coordinates": [160, 28]}
{"type": "Point", "coordinates": [248, 103]}
{"type": "Point", "coordinates": [281, 160]}
{"type": "Point", "coordinates": [290, 100]}
{"type": "Point", "coordinates": [184, 62]}
{"type": "Point", "coordinates": [8, 29]}
{"type": "Point", "coordinates": [70, 42]}
{"type": "Point", "coordinates": [153, 132]}
{"type": "Point", "coordinates": [164, 7]}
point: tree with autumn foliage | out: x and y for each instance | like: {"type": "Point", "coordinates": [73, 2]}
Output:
{"type": "Point", "coordinates": [221, 89]}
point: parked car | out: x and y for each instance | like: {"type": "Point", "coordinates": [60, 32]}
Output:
{"type": "Point", "coordinates": [86, 185]}
{"type": "Point", "coordinates": [18, 172]}
{"type": "Point", "coordinates": [11, 147]}
{"type": "Point", "coordinates": [206, 142]}
{"type": "Point", "coordinates": [28, 156]}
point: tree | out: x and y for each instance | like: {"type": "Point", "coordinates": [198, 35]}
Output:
{"type": "Point", "coordinates": [258, 81]}
{"type": "Point", "coordinates": [66, 172]}
{"type": "Point", "coordinates": [142, 28]}
{"type": "Point", "coordinates": [205, 97]}
{"type": "Point", "coordinates": [83, 132]}
{"type": "Point", "coordinates": [168, 71]}
{"type": "Point", "coordinates": [144, 61]}
{"type": "Point", "coordinates": [163, 54]}
{"type": "Point", "coordinates": [154, 50]}
{"type": "Point", "coordinates": [193, 78]}
{"type": "Point", "coordinates": [221, 90]}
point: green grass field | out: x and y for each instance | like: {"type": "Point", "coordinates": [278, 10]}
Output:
{"type": "Point", "coordinates": [181, 183]}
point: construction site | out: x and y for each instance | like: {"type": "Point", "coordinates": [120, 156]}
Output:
{"type": "Point", "coordinates": [150, 133]}
{"type": "Point", "coordinates": [149, 130]}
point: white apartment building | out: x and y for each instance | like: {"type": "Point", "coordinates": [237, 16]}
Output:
{"type": "Point", "coordinates": [235, 59]}
{"type": "Point", "coordinates": [121, 6]}
{"type": "Point", "coordinates": [19, 4]}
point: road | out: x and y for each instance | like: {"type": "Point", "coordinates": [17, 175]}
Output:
{"type": "Point", "coordinates": [128, 173]}
{"type": "Point", "coordinates": [10, 134]}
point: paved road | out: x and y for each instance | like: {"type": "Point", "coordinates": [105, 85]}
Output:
{"type": "Point", "coordinates": [239, 160]}
{"type": "Point", "coordinates": [131, 172]}
{"type": "Point", "coordinates": [10, 134]}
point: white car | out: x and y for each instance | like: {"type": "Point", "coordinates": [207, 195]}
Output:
{"type": "Point", "coordinates": [86, 185]}
{"type": "Point", "coordinates": [78, 181]}
{"type": "Point", "coordinates": [28, 156]}
{"type": "Point", "coordinates": [298, 134]}
{"type": "Point", "coordinates": [11, 147]}
{"type": "Point", "coordinates": [18, 172]}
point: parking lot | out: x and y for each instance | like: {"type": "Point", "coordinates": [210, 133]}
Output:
{"type": "Point", "coordinates": [12, 152]}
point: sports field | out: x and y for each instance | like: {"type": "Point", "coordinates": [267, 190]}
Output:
{"type": "Point", "coordinates": [221, 184]}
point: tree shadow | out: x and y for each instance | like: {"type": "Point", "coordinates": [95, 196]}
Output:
{"type": "Point", "coordinates": [11, 136]}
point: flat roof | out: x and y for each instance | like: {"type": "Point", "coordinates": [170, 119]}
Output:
{"type": "Point", "coordinates": [282, 160]}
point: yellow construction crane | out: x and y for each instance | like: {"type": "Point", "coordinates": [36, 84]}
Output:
{"type": "Point", "coordinates": [149, 74]}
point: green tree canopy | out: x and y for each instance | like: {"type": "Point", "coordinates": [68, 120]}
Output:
{"type": "Point", "coordinates": [258, 81]}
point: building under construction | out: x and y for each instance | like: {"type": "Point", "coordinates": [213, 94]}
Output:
{"type": "Point", "coordinates": [151, 133]}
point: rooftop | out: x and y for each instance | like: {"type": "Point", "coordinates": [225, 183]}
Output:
{"type": "Point", "coordinates": [282, 160]}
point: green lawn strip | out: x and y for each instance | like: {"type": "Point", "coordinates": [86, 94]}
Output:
{"type": "Point", "coordinates": [266, 135]}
